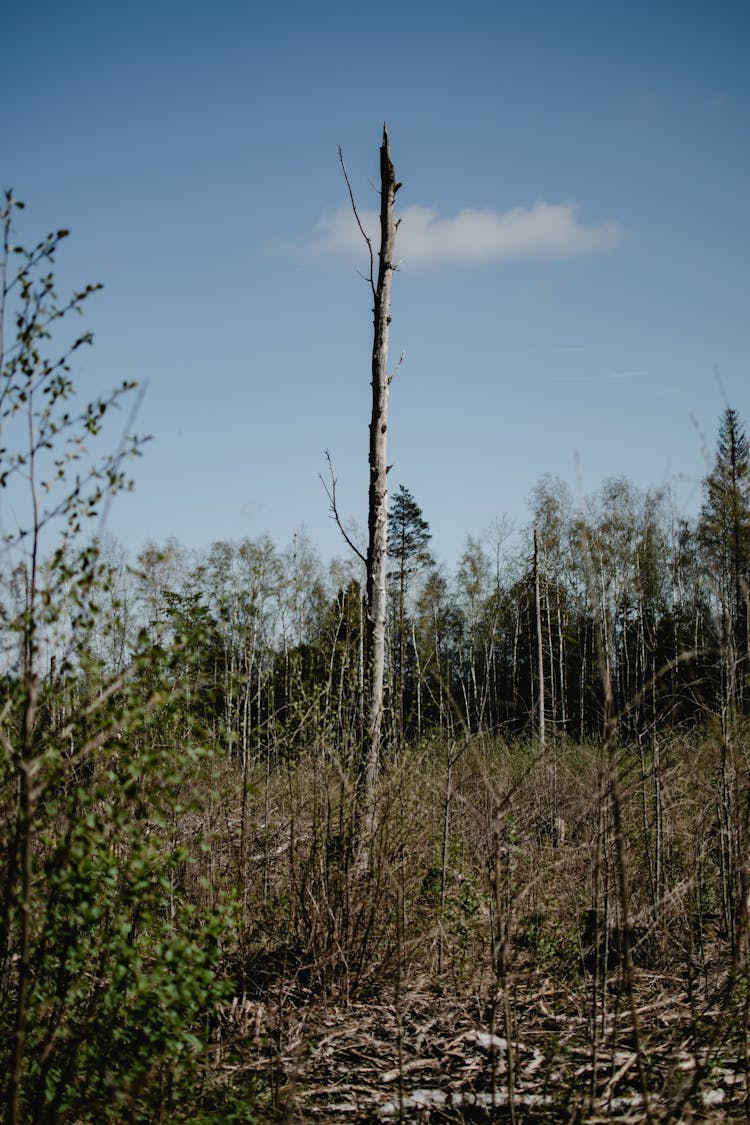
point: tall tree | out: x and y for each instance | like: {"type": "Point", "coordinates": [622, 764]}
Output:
{"type": "Point", "coordinates": [540, 709]}
{"type": "Point", "coordinates": [725, 536]}
{"type": "Point", "coordinates": [377, 518]}
{"type": "Point", "coordinates": [408, 537]}
{"type": "Point", "coordinates": [377, 523]}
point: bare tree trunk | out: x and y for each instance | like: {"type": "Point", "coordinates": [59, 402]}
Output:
{"type": "Point", "coordinates": [540, 646]}
{"type": "Point", "coordinates": [378, 495]}
{"type": "Point", "coordinates": [418, 663]}
{"type": "Point", "coordinates": [516, 634]}
{"type": "Point", "coordinates": [552, 685]}
{"type": "Point", "coordinates": [561, 666]}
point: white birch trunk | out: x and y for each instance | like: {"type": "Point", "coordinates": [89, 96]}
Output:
{"type": "Point", "coordinates": [539, 647]}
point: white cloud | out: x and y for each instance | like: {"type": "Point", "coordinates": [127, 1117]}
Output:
{"type": "Point", "coordinates": [473, 236]}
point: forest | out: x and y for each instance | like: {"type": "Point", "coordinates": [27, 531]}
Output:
{"type": "Point", "coordinates": [537, 909]}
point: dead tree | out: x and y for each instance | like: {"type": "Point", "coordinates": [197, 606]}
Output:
{"type": "Point", "coordinates": [377, 520]}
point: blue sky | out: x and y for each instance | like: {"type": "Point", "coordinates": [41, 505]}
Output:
{"type": "Point", "coordinates": [575, 244]}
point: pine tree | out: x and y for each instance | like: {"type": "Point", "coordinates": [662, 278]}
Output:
{"type": "Point", "coordinates": [408, 534]}
{"type": "Point", "coordinates": [725, 539]}
{"type": "Point", "coordinates": [408, 537]}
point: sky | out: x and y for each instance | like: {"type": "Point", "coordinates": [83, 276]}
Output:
{"type": "Point", "coordinates": [574, 250]}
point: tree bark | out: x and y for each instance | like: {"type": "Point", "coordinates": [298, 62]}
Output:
{"type": "Point", "coordinates": [539, 647]}
{"type": "Point", "coordinates": [378, 493]}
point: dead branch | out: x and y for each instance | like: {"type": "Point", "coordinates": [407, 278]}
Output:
{"type": "Point", "coordinates": [394, 373]}
{"type": "Point", "coordinates": [330, 491]}
{"type": "Point", "coordinates": [363, 232]}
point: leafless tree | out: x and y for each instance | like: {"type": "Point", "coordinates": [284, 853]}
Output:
{"type": "Point", "coordinates": [377, 521]}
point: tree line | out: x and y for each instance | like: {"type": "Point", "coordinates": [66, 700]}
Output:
{"type": "Point", "coordinates": [622, 595]}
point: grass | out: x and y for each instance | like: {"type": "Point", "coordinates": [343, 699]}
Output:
{"type": "Point", "coordinates": [472, 912]}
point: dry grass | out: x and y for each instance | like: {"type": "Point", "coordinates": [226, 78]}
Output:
{"type": "Point", "coordinates": [488, 913]}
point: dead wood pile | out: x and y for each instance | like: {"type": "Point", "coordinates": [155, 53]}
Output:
{"type": "Point", "coordinates": [426, 1053]}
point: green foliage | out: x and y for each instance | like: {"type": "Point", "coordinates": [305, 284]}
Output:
{"type": "Point", "coordinates": [408, 533]}
{"type": "Point", "coordinates": [725, 516]}
{"type": "Point", "coordinates": [457, 897]}
{"type": "Point", "coordinates": [724, 529]}
{"type": "Point", "coordinates": [123, 973]}
{"type": "Point", "coordinates": [108, 954]}
{"type": "Point", "coordinates": [551, 941]}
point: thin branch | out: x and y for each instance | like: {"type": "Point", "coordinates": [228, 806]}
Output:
{"type": "Point", "coordinates": [330, 491]}
{"type": "Point", "coordinates": [394, 373]}
{"type": "Point", "coordinates": [363, 232]}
